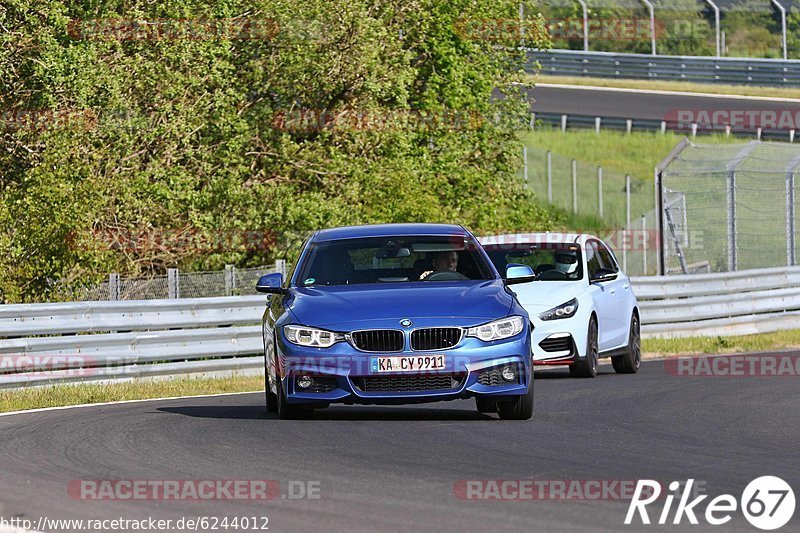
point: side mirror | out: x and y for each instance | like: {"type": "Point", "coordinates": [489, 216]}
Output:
{"type": "Point", "coordinates": [603, 275]}
{"type": "Point", "coordinates": [271, 283]}
{"type": "Point", "coordinates": [516, 274]}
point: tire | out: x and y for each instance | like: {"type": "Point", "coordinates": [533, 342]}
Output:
{"type": "Point", "coordinates": [519, 408]}
{"type": "Point", "coordinates": [270, 397]}
{"type": "Point", "coordinates": [486, 405]}
{"type": "Point", "coordinates": [632, 360]}
{"type": "Point", "coordinates": [587, 366]}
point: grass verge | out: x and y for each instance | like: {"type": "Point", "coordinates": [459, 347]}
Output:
{"type": "Point", "coordinates": [62, 395]}
{"type": "Point", "coordinates": [779, 340]}
{"type": "Point", "coordinates": [76, 394]}
{"type": "Point", "coordinates": [672, 86]}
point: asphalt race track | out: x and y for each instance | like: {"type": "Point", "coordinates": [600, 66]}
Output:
{"type": "Point", "coordinates": [640, 105]}
{"type": "Point", "coordinates": [395, 468]}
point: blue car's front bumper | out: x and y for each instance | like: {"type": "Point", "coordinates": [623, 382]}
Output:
{"type": "Point", "coordinates": [343, 374]}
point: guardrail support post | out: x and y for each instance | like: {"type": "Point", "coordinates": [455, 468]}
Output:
{"type": "Point", "coordinates": [173, 283]}
{"type": "Point", "coordinates": [113, 287]}
{"type": "Point", "coordinates": [230, 279]}
{"type": "Point", "coordinates": [564, 123]}
{"type": "Point", "coordinates": [628, 125]}
{"type": "Point", "coordinates": [663, 127]}
{"type": "Point", "coordinates": [600, 191]}
{"type": "Point", "coordinates": [549, 177]}
{"type": "Point", "coordinates": [597, 122]}
{"type": "Point", "coordinates": [574, 186]}
{"type": "Point", "coordinates": [792, 133]}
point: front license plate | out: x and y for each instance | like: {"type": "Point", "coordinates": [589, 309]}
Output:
{"type": "Point", "coordinates": [412, 363]}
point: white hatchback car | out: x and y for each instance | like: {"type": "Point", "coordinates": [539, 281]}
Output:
{"type": "Point", "coordinates": [582, 306]}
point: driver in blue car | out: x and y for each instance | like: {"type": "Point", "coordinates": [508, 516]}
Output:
{"type": "Point", "coordinates": [442, 262]}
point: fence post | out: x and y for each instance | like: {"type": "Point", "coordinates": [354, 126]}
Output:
{"type": "Point", "coordinates": [574, 186]}
{"type": "Point", "coordinates": [644, 245]}
{"type": "Point", "coordinates": [113, 287]}
{"type": "Point", "coordinates": [731, 220]}
{"type": "Point", "coordinates": [600, 190]}
{"type": "Point", "coordinates": [280, 266]}
{"type": "Point", "coordinates": [525, 165]}
{"type": "Point", "coordinates": [549, 177]}
{"type": "Point", "coordinates": [626, 233]}
{"type": "Point", "coordinates": [790, 238]}
{"type": "Point", "coordinates": [663, 127]}
{"type": "Point", "coordinates": [230, 279]}
{"type": "Point", "coordinates": [173, 283]}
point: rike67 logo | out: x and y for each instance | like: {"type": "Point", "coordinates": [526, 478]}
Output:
{"type": "Point", "coordinates": [767, 503]}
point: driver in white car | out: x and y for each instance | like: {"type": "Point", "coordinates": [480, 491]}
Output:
{"type": "Point", "coordinates": [566, 262]}
{"type": "Point", "coordinates": [443, 262]}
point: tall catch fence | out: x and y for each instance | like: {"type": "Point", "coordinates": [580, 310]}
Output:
{"type": "Point", "coordinates": [729, 207]}
{"type": "Point", "coordinates": [599, 197]}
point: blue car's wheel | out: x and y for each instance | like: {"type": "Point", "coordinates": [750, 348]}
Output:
{"type": "Point", "coordinates": [520, 408]}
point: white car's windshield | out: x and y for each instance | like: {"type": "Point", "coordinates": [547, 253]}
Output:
{"type": "Point", "coordinates": [550, 261]}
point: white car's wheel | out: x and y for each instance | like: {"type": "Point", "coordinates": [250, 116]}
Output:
{"type": "Point", "coordinates": [587, 366]}
{"type": "Point", "coordinates": [632, 360]}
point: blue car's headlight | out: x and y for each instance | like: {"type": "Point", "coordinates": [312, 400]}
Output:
{"type": "Point", "coordinates": [564, 310]}
{"type": "Point", "coordinates": [497, 330]}
{"type": "Point", "coordinates": [311, 337]}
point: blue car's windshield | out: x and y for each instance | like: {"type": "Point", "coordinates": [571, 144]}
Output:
{"type": "Point", "coordinates": [393, 260]}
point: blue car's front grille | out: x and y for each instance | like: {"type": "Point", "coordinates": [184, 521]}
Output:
{"type": "Point", "coordinates": [435, 338]}
{"type": "Point", "coordinates": [378, 340]}
{"type": "Point", "coordinates": [415, 383]}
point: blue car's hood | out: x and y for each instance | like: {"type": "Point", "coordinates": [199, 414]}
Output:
{"type": "Point", "coordinates": [346, 307]}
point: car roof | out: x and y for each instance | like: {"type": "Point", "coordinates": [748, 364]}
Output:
{"type": "Point", "coordinates": [388, 230]}
{"type": "Point", "coordinates": [541, 237]}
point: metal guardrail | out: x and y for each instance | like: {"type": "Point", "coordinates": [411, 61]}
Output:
{"type": "Point", "coordinates": [726, 70]}
{"type": "Point", "coordinates": [85, 341]}
{"type": "Point", "coordinates": [570, 121]}
{"type": "Point", "coordinates": [730, 303]}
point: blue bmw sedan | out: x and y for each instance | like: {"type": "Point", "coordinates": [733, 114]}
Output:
{"type": "Point", "coordinates": [396, 314]}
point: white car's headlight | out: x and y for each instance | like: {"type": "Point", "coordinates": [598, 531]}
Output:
{"type": "Point", "coordinates": [312, 337]}
{"type": "Point", "coordinates": [497, 330]}
{"type": "Point", "coordinates": [565, 310]}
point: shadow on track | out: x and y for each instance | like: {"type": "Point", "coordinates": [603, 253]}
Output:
{"type": "Point", "coordinates": [345, 413]}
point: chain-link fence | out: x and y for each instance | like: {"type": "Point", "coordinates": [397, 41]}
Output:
{"type": "Point", "coordinates": [600, 201]}
{"type": "Point", "coordinates": [229, 282]}
{"type": "Point", "coordinates": [730, 207]}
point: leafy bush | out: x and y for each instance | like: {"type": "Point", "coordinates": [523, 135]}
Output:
{"type": "Point", "coordinates": [110, 134]}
